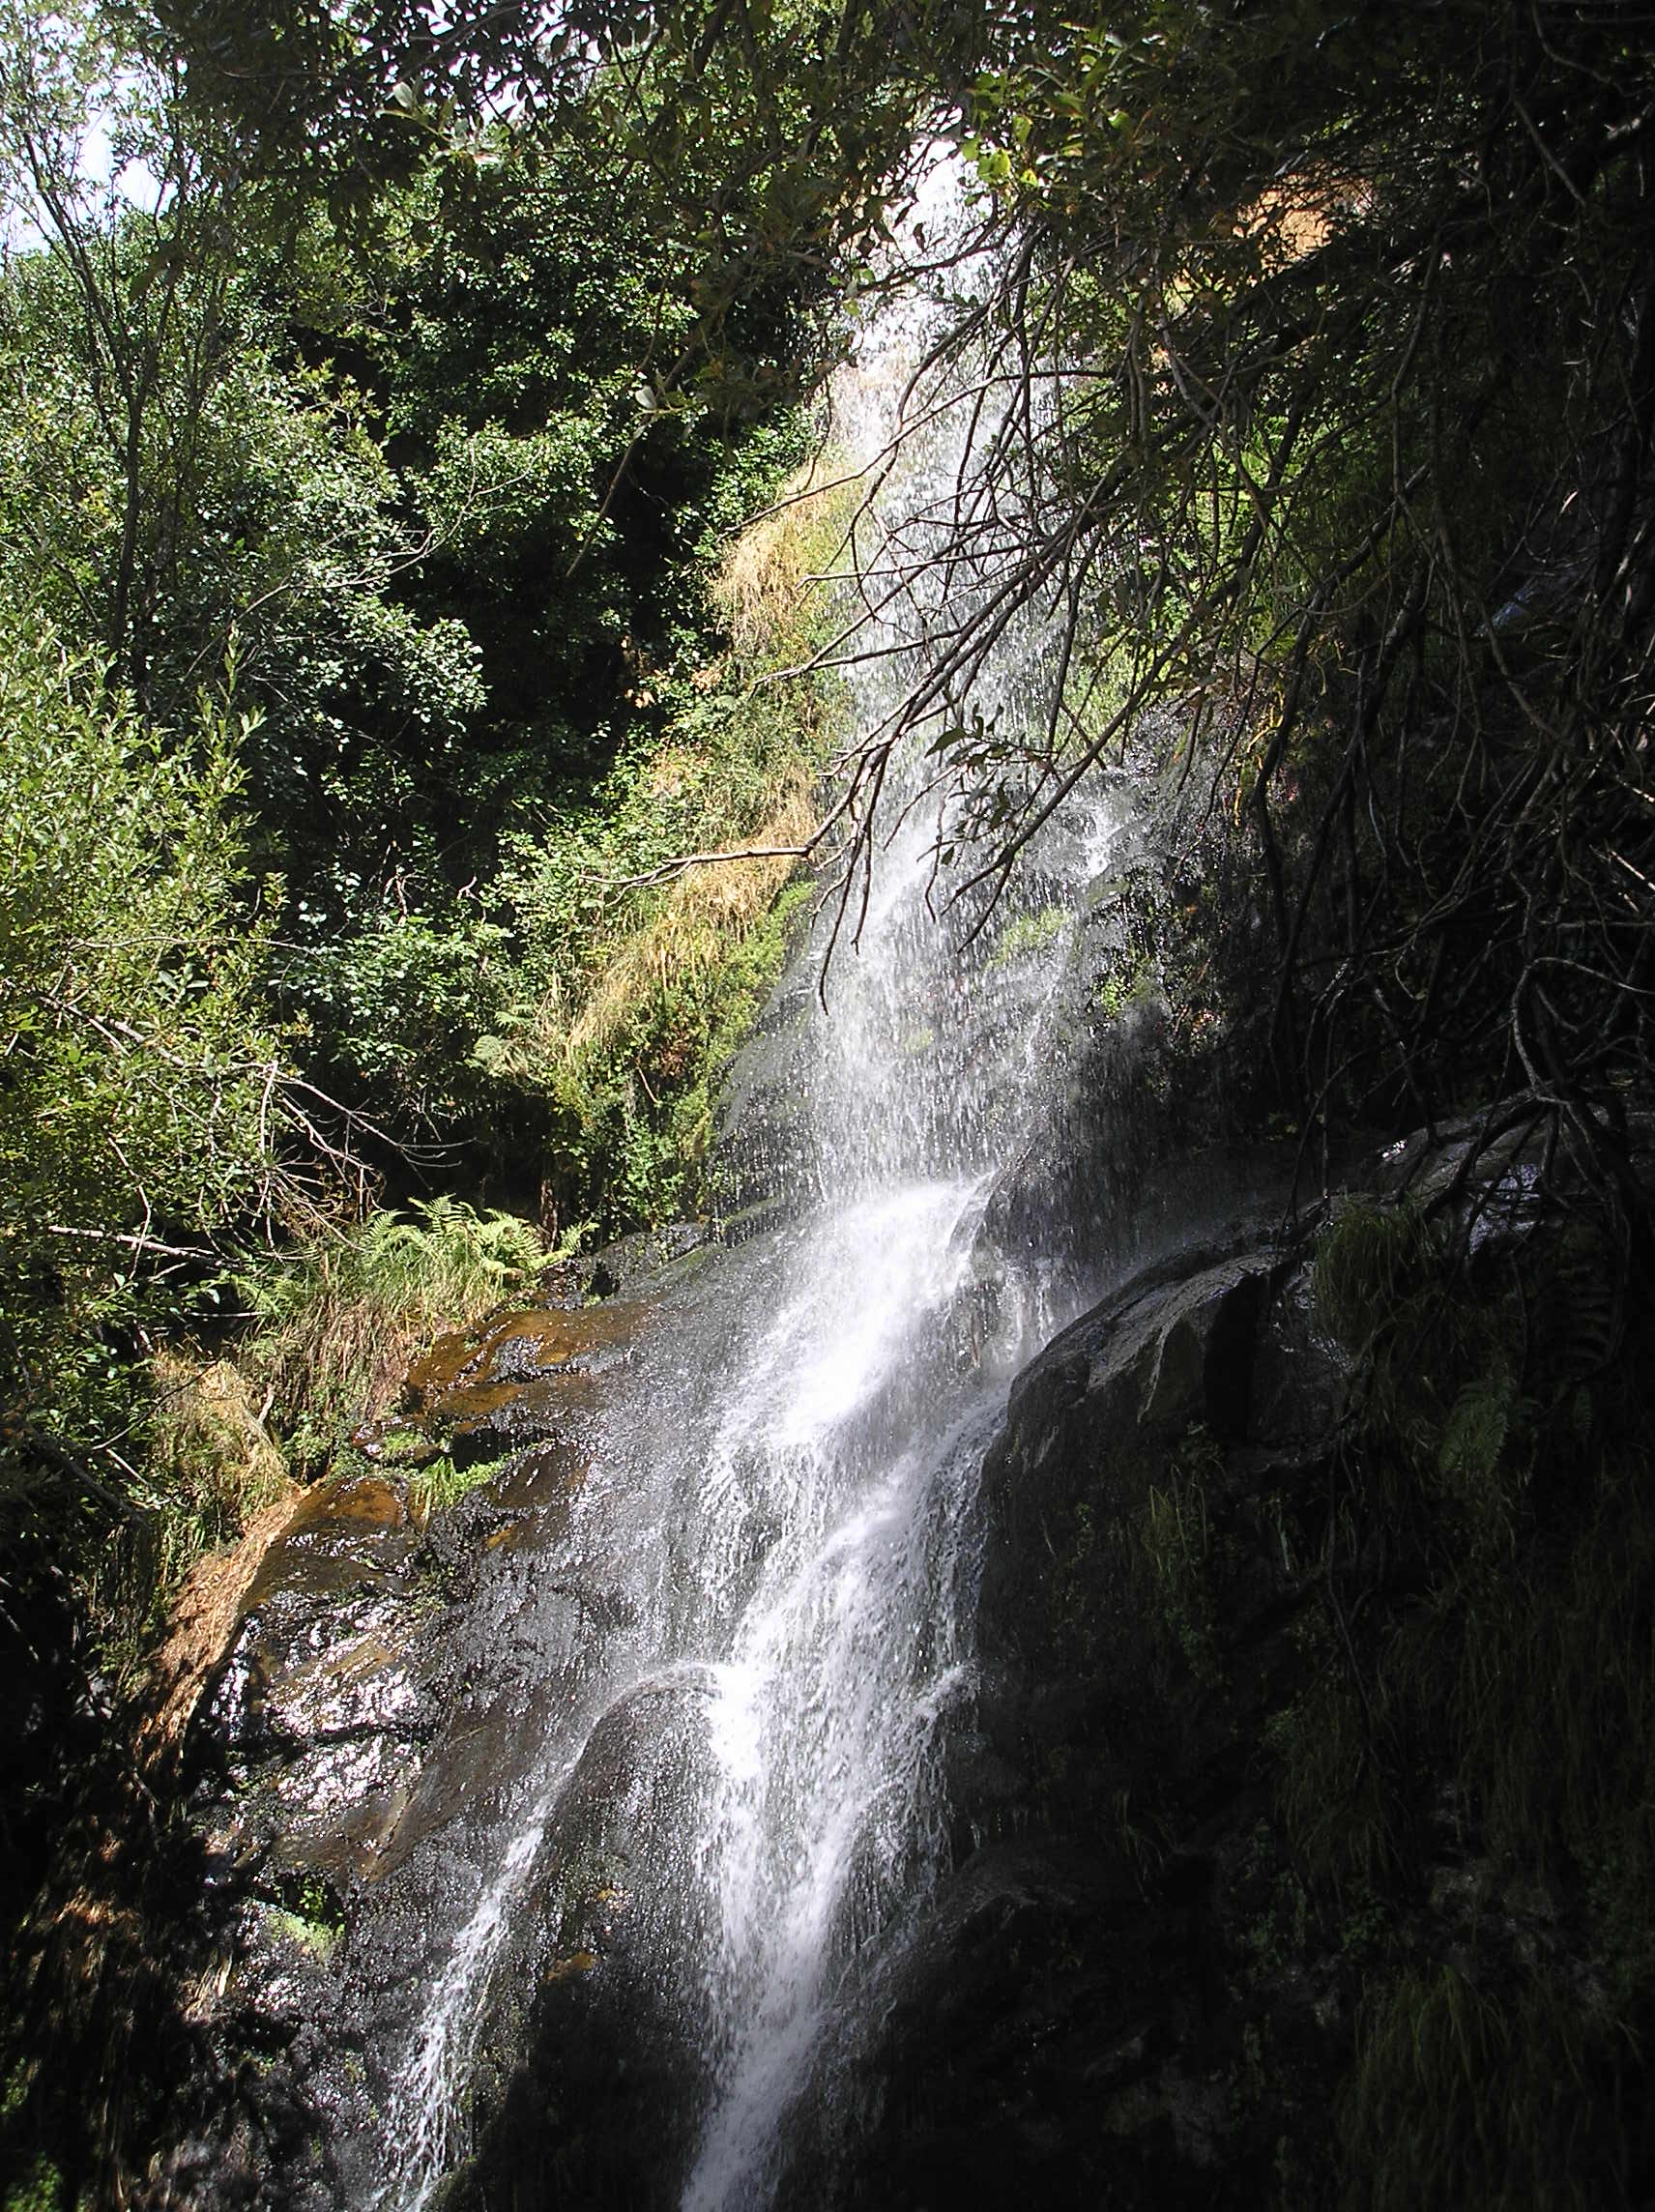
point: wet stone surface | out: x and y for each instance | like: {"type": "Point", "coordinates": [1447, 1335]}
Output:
{"type": "Point", "coordinates": [393, 1668]}
{"type": "Point", "coordinates": [1062, 2024]}
{"type": "Point", "coordinates": [523, 1378]}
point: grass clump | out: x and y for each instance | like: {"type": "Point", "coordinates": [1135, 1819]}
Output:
{"type": "Point", "coordinates": [211, 1465]}
{"type": "Point", "coordinates": [307, 1913]}
{"type": "Point", "coordinates": [1547, 1696]}
{"type": "Point", "coordinates": [1174, 1556]}
{"type": "Point", "coordinates": [1445, 1419]}
{"type": "Point", "coordinates": [1463, 2095]}
{"type": "Point", "coordinates": [440, 1484]}
{"type": "Point", "coordinates": [212, 1462]}
{"type": "Point", "coordinates": [1370, 1263]}
{"type": "Point", "coordinates": [342, 1314]}
{"type": "Point", "coordinates": [314, 1937]}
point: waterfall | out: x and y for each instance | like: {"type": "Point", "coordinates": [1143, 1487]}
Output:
{"type": "Point", "coordinates": [751, 1762]}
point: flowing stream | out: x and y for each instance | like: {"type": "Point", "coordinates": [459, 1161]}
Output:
{"type": "Point", "coordinates": [752, 1759]}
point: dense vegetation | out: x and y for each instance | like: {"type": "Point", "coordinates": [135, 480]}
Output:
{"type": "Point", "coordinates": [368, 472]}
{"type": "Point", "coordinates": [362, 637]}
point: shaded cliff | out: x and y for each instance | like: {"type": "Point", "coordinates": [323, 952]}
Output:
{"type": "Point", "coordinates": [1298, 1826]}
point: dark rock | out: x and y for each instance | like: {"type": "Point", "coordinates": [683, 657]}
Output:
{"type": "Point", "coordinates": [1299, 1376]}
{"type": "Point", "coordinates": [634, 1267]}
{"type": "Point", "coordinates": [1075, 2020]}
{"type": "Point", "coordinates": [1094, 1414]}
{"type": "Point", "coordinates": [525, 1377]}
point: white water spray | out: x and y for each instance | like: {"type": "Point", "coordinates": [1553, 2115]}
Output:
{"type": "Point", "coordinates": [796, 1519]}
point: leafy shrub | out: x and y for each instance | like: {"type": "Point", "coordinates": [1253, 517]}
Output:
{"type": "Point", "coordinates": [142, 1103]}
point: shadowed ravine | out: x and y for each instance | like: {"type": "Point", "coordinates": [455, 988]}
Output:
{"type": "Point", "coordinates": [860, 1740]}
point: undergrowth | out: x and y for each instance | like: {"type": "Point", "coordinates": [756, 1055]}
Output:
{"type": "Point", "coordinates": [639, 978]}
{"type": "Point", "coordinates": [1173, 1546]}
{"type": "Point", "coordinates": [332, 1326]}
{"type": "Point", "coordinates": [1480, 1709]}
{"type": "Point", "coordinates": [341, 1315]}
{"type": "Point", "coordinates": [1468, 2096]}
{"type": "Point", "coordinates": [211, 1464]}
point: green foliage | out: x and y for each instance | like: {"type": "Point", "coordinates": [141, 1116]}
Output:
{"type": "Point", "coordinates": [341, 1314]}
{"type": "Point", "coordinates": [398, 479]}
{"type": "Point", "coordinates": [1371, 1264]}
{"type": "Point", "coordinates": [40, 2189]}
{"type": "Point", "coordinates": [440, 1484]}
{"type": "Point", "coordinates": [211, 1464]}
{"type": "Point", "coordinates": [1542, 1677]}
{"type": "Point", "coordinates": [403, 471]}
{"type": "Point", "coordinates": [1129, 983]}
{"type": "Point", "coordinates": [398, 1005]}
{"type": "Point", "coordinates": [754, 151]}
{"type": "Point", "coordinates": [1339, 461]}
{"type": "Point", "coordinates": [577, 536]}
{"type": "Point", "coordinates": [1335, 1790]}
{"type": "Point", "coordinates": [308, 1915]}
{"type": "Point", "coordinates": [259, 509]}
{"type": "Point", "coordinates": [635, 980]}
{"type": "Point", "coordinates": [1027, 933]}
{"type": "Point", "coordinates": [1440, 1399]}
{"type": "Point", "coordinates": [141, 1107]}
{"type": "Point", "coordinates": [169, 481]}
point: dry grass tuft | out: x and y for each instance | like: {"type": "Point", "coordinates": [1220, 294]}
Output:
{"type": "Point", "coordinates": [779, 565]}
{"type": "Point", "coordinates": [706, 910]}
{"type": "Point", "coordinates": [213, 1468]}
{"type": "Point", "coordinates": [213, 1459]}
{"type": "Point", "coordinates": [648, 965]}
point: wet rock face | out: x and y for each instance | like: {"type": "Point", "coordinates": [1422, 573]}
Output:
{"type": "Point", "coordinates": [1134, 1986]}
{"type": "Point", "coordinates": [1069, 2025]}
{"type": "Point", "coordinates": [350, 1656]}
{"type": "Point", "coordinates": [316, 1718]}
{"type": "Point", "coordinates": [517, 1381]}
{"type": "Point", "coordinates": [1107, 1998]}
{"type": "Point", "coordinates": [1094, 1423]}
{"type": "Point", "coordinates": [387, 1684]}
{"type": "Point", "coordinates": [766, 1168]}
{"type": "Point", "coordinates": [595, 2075]}
{"type": "Point", "coordinates": [393, 1672]}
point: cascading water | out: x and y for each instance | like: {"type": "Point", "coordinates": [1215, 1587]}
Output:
{"type": "Point", "coordinates": [752, 1764]}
